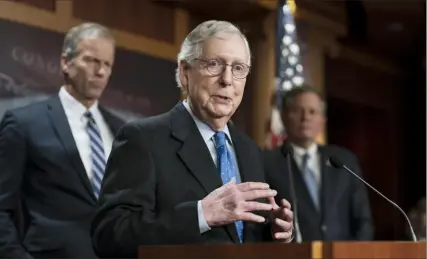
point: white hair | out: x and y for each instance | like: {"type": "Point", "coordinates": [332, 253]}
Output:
{"type": "Point", "coordinates": [191, 48]}
{"type": "Point", "coordinates": [88, 30]}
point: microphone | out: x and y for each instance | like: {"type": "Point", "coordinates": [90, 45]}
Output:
{"type": "Point", "coordinates": [340, 165]}
{"type": "Point", "coordinates": [288, 152]}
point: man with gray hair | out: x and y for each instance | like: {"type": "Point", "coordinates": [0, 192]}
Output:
{"type": "Point", "coordinates": [189, 176]}
{"type": "Point", "coordinates": [53, 153]}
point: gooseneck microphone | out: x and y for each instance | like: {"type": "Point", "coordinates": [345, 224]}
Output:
{"type": "Point", "coordinates": [340, 165]}
{"type": "Point", "coordinates": [288, 152]}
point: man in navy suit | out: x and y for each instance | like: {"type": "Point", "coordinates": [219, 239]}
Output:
{"type": "Point", "coordinates": [331, 203]}
{"type": "Point", "coordinates": [189, 176]}
{"type": "Point", "coordinates": [53, 153]}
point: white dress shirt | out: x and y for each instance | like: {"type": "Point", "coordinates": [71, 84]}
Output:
{"type": "Point", "coordinates": [208, 136]}
{"type": "Point", "coordinates": [313, 162]}
{"type": "Point", "coordinates": [74, 110]}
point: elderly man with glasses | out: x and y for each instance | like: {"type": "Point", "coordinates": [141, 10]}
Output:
{"type": "Point", "coordinates": [188, 176]}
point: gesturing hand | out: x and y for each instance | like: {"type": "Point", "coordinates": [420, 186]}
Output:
{"type": "Point", "coordinates": [235, 202]}
{"type": "Point", "coordinates": [282, 225]}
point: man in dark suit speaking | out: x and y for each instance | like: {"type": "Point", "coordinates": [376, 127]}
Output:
{"type": "Point", "coordinates": [53, 153]}
{"type": "Point", "coordinates": [331, 203]}
{"type": "Point", "coordinates": [188, 176]}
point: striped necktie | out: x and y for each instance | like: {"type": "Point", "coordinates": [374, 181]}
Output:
{"type": "Point", "coordinates": [98, 155]}
{"type": "Point", "coordinates": [226, 169]}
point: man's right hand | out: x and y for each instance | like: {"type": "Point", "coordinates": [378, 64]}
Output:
{"type": "Point", "coordinates": [235, 202]}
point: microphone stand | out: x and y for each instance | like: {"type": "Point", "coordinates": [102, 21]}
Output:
{"type": "Point", "coordinates": [289, 153]}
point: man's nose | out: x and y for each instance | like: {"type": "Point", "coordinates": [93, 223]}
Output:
{"type": "Point", "coordinates": [306, 115]}
{"type": "Point", "coordinates": [101, 71]}
{"type": "Point", "coordinates": [227, 76]}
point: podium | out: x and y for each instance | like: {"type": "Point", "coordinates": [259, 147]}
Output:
{"type": "Point", "coordinates": [362, 250]}
{"type": "Point", "coordinates": [315, 250]}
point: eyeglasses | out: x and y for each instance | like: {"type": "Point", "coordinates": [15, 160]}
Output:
{"type": "Point", "coordinates": [216, 67]}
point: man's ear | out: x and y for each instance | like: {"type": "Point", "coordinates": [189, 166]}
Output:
{"type": "Point", "coordinates": [64, 64]}
{"type": "Point", "coordinates": [183, 74]}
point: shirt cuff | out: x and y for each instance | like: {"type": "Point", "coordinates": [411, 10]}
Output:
{"type": "Point", "coordinates": [203, 225]}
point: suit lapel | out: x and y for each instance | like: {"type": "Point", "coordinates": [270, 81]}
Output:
{"type": "Point", "coordinates": [330, 180]}
{"type": "Point", "coordinates": [244, 157]}
{"type": "Point", "coordinates": [62, 129]}
{"type": "Point", "coordinates": [194, 153]}
{"type": "Point", "coordinates": [114, 122]}
{"type": "Point", "coordinates": [302, 191]}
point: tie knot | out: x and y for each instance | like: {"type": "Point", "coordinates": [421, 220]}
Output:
{"type": "Point", "coordinates": [305, 157]}
{"type": "Point", "coordinates": [88, 115]}
{"type": "Point", "coordinates": [220, 139]}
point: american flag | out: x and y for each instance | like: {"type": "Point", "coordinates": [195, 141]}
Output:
{"type": "Point", "coordinates": [288, 69]}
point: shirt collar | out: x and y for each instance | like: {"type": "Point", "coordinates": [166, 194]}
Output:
{"type": "Point", "coordinates": [72, 104]}
{"type": "Point", "coordinates": [311, 150]}
{"type": "Point", "coordinates": [205, 130]}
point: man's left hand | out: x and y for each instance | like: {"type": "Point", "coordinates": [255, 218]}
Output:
{"type": "Point", "coordinates": [282, 217]}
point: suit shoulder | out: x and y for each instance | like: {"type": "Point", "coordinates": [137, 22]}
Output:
{"type": "Point", "coordinates": [246, 138]}
{"type": "Point", "coordinates": [27, 112]}
{"type": "Point", "coordinates": [36, 106]}
{"type": "Point", "coordinates": [272, 154]}
{"type": "Point", "coordinates": [341, 152]}
{"type": "Point", "coordinates": [338, 149]}
{"type": "Point", "coordinates": [111, 112]}
{"type": "Point", "coordinates": [153, 125]}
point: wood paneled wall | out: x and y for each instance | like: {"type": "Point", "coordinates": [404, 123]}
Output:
{"type": "Point", "coordinates": [134, 16]}
{"type": "Point", "coordinates": [131, 21]}
{"type": "Point", "coordinates": [48, 5]}
{"type": "Point", "coordinates": [362, 116]}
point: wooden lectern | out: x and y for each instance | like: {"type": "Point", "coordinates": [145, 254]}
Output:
{"type": "Point", "coordinates": [315, 250]}
{"type": "Point", "coordinates": [362, 250]}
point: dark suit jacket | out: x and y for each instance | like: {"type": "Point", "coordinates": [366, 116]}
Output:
{"type": "Point", "coordinates": [159, 168]}
{"type": "Point", "coordinates": [345, 212]}
{"type": "Point", "coordinates": [41, 167]}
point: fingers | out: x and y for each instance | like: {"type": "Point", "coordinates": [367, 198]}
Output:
{"type": "Point", "coordinates": [231, 183]}
{"type": "Point", "coordinates": [283, 235]}
{"type": "Point", "coordinates": [273, 203]}
{"type": "Point", "coordinates": [258, 194]}
{"type": "Point", "coordinates": [253, 205]}
{"type": "Point", "coordinates": [286, 204]}
{"type": "Point", "coordinates": [248, 216]}
{"type": "Point", "coordinates": [288, 215]}
{"type": "Point", "coordinates": [284, 226]}
{"type": "Point", "coordinates": [248, 186]}
{"type": "Point", "coordinates": [285, 229]}
{"type": "Point", "coordinates": [284, 214]}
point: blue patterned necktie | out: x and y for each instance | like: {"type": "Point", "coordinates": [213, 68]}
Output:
{"type": "Point", "coordinates": [227, 169]}
{"type": "Point", "coordinates": [98, 155]}
{"type": "Point", "coordinates": [310, 180]}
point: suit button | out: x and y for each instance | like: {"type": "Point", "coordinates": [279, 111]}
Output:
{"type": "Point", "coordinates": [324, 228]}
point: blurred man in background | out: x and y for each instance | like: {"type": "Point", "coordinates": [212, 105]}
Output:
{"type": "Point", "coordinates": [331, 203]}
{"type": "Point", "coordinates": [53, 153]}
